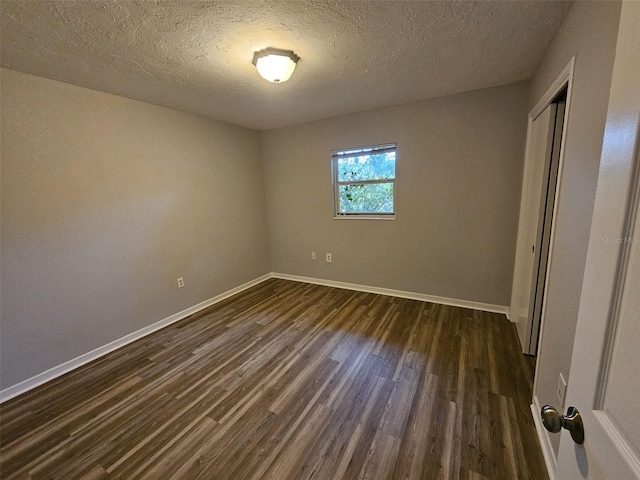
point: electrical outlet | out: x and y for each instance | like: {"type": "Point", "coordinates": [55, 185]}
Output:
{"type": "Point", "coordinates": [181, 282]}
{"type": "Point", "coordinates": [313, 255]}
{"type": "Point", "coordinates": [561, 390]}
{"type": "Point", "coordinates": [329, 258]}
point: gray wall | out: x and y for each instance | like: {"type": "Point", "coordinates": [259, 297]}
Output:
{"type": "Point", "coordinates": [589, 32]}
{"type": "Point", "coordinates": [459, 168]}
{"type": "Point", "coordinates": [105, 202]}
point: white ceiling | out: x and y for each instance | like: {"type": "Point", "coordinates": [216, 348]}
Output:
{"type": "Point", "coordinates": [355, 55]}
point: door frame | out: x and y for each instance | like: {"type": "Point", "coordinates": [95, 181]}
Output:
{"type": "Point", "coordinates": [520, 278]}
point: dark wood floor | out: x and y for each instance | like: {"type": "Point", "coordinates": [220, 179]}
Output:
{"type": "Point", "coordinates": [290, 381]}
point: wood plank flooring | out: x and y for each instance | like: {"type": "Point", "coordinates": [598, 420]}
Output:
{"type": "Point", "coordinates": [290, 381]}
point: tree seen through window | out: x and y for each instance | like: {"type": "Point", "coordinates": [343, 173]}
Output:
{"type": "Point", "coordinates": [364, 180]}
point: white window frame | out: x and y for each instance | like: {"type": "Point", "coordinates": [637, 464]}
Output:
{"type": "Point", "coordinates": [335, 156]}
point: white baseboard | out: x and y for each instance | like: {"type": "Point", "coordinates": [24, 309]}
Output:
{"type": "Point", "coordinates": [454, 302]}
{"type": "Point", "coordinates": [74, 363]}
{"type": "Point", "coordinates": [550, 459]}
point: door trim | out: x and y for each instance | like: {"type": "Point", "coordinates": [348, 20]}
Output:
{"type": "Point", "coordinates": [624, 250]}
{"type": "Point", "coordinates": [564, 79]}
{"type": "Point", "coordinates": [550, 459]}
{"type": "Point", "coordinates": [620, 443]}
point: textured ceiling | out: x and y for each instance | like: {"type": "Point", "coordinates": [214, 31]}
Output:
{"type": "Point", "coordinates": [355, 55]}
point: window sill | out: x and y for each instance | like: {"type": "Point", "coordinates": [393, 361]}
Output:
{"type": "Point", "coordinates": [364, 217]}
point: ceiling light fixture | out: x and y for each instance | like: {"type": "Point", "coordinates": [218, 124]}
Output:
{"type": "Point", "coordinates": [274, 64]}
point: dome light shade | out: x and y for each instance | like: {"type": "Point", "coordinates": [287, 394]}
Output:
{"type": "Point", "coordinates": [274, 64]}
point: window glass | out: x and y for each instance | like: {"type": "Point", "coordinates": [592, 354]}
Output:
{"type": "Point", "coordinates": [364, 182]}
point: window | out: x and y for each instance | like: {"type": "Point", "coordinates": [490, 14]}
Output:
{"type": "Point", "coordinates": [364, 182]}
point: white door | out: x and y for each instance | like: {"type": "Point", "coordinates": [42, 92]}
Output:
{"type": "Point", "coordinates": [539, 147]}
{"type": "Point", "coordinates": [605, 371]}
{"type": "Point", "coordinates": [542, 246]}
